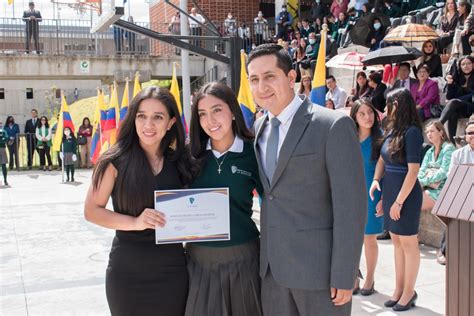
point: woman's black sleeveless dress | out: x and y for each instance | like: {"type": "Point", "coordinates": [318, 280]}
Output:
{"type": "Point", "coordinates": [144, 278]}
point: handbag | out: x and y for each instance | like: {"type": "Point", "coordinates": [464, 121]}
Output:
{"type": "Point", "coordinates": [81, 140]}
{"type": "Point", "coordinates": [445, 56]}
{"type": "Point", "coordinates": [436, 110]}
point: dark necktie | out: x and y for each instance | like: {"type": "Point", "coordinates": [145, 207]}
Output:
{"type": "Point", "coordinates": [272, 149]}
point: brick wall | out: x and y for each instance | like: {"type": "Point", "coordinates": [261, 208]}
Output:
{"type": "Point", "coordinates": [216, 10]}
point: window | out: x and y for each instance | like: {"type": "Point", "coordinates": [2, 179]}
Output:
{"type": "Point", "coordinates": [29, 93]}
{"type": "Point", "coordinates": [58, 93]}
{"type": "Point", "coordinates": [2, 93]}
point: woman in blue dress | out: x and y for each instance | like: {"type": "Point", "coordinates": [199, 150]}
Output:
{"type": "Point", "coordinates": [402, 197]}
{"type": "Point", "coordinates": [367, 122]}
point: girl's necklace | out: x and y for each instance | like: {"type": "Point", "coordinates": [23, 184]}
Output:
{"type": "Point", "coordinates": [219, 164]}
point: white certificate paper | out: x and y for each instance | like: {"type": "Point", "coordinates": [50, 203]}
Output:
{"type": "Point", "coordinates": [193, 215]}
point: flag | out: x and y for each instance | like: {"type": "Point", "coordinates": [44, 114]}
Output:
{"type": "Point", "coordinates": [63, 122]}
{"type": "Point", "coordinates": [318, 91]}
{"type": "Point", "coordinates": [10, 2]}
{"type": "Point", "coordinates": [109, 126]}
{"type": "Point", "coordinates": [174, 89]}
{"type": "Point", "coordinates": [136, 85]}
{"type": "Point", "coordinates": [99, 116]}
{"type": "Point", "coordinates": [245, 96]}
{"type": "Point", "coordinates": [124, 106]}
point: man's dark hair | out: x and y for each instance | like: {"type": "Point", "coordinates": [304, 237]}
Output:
{"type": "Point", "coordinates": [34, 110]}
{"type": "Point", "coordinates": [404, 64]}
{"type": "Point", "coordinates": [331, 77]}
{"type": "Point", "coordinates": [284, 61]}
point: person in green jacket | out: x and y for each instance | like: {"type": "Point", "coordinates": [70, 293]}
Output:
{"type": "Point", "coordinates": [43, 144]}
{"type": "Point", "coordinates": [3, 153]}
{"type": "Point", "coordinates": [435, 166]}
{"type": "Point", "coordinates": [223, 277]}
{"type": "Point", "coordinates": [68, 152]}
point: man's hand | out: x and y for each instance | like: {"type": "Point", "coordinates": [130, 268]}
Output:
{"type": "Point", "coordinates": [340, 297]}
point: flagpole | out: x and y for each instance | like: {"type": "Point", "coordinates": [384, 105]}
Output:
{"type": "Point", "coordinates": [62, 145]}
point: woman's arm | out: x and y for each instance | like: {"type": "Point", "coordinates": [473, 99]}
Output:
{"type": "Point", "coordinates": [378, 174]}
{"type": "Point", "coordinates": [48, 137]}
{"type": "Point", "coordinates": [407, 187]}
{"type": "Point", "coordinates": [95, 210]}
{"type": "Point", "coordinates": [38, 137]}
{"type": "Point", "coordinates": [424, 164]}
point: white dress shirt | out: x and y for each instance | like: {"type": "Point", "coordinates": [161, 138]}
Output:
{"type": "Point", "coordinates": [193, 23]}
{"type": "Point", "coordinates": [338, 96]}
{"type": "Point", "coordinates": [285, 117]}
{"type": "Point", "coordinates": [237, 147]}
{"type": "Point", "coordinates": [464, 155]}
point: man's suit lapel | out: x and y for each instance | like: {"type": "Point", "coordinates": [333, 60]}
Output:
{"type": "Point", "coordinates": [259, 130]}
{"type": "Point", "coordinates": [297, 127]}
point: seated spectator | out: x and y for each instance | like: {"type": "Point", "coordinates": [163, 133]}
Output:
{"type": "Point", "coordinates": [404, 80]}
{"type": "Point", "coordinates": [434, 169]}
{"type": "Point", "coordinates": [338, 6]}
{"type": "Point", "coordinates": [306, 29]}
{"type": "Point", "coordinates": [447, 26]}
{"type": "Point", "coordinates": [459, 95]}
{"type": "Point", "coordinates": [425, 92]}
{"type": "Point", "coordinates": [362, 89]}
{"type": "Point", "coordinates": [340, 28]}
{"type": "Point", "coordinates": [376, 35]}
{"type": "Point", "coordinates": [366, 8]}
{"type": "Point", "coordinates": [329, 104]}
{"type": "Point", "coordinates": [299, 56]}
{"type": "Point", "coordinates": [378, 91]}
{"type": "Point", "coordinates": [305, 85]}
{"type": "Point", "coordinates": [335, 93]}
{"type": "Point", "coordinates": [431, 59]}
{"type": "Point", "coordinates": [293, 47]}
{"type": "Point", "coordinates": [319, 10]}
{"type": "Point", "coordinates": [391, 10]}
{"type": "Point", "coordinates": [311, 51]}
{"type": "Point", "coordinates": [358, 6]}
{"type": "Point", "coordinates": [329, 21]}
{"type": "Point", "coordinates": [464, 155]}
{"type": "Point", "coordinates": [464, 7]}
{"type": "Point", "coordinates": [318, 25]}
{"type": "Point", "coordinates": [284, 19]}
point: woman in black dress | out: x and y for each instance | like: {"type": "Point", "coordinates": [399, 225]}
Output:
{"type": "Point", "coordinates": [142, 278]}
{"type": "Point", "coordinates": [402, 196]}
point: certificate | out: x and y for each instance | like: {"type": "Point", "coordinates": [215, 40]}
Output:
{"type": "Point", "coordinates": [193, 215]}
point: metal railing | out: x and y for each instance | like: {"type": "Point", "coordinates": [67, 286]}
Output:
{"type": "Point", "coordinates": [73, 37]}
{"type": "Point", "coordinates": [69, 37]}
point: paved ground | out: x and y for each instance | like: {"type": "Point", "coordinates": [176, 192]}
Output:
{"type": "Point", "coordinates": [52, 262]}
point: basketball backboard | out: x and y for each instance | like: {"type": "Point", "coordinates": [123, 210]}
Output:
{"type": "Point", "coordinates": [109, 15]}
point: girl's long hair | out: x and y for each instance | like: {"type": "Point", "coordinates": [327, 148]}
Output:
{"type": "Point", "coordinates": [375, 130]}
{"type": "Point", "coordinates": [198, 137]}
{"type": "Point", "coordinates": [402, 114]}
{"type": "Point", "coordinates": [41, 124]}
{"type": "Point", "coordinates": [135, 180]}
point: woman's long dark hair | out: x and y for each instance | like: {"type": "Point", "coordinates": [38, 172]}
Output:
{"type": "Point", "coordinates": [41, 124]}
{"type": "Point", "coordinates": [84, 121]}
{"type": "Point", "coordinates": [198, 137]}
{"type": "Point", "coordinates": [461, 80]}
{"type": "Point", "coordinates": [135, 180]}
{"type": "Point", "coordinates": [361, 90]}
{"type": "Point", "coordinates": [8, 119]}
{"type": "Point", "coordinates": [404, 116]}
{"type": "Point", "coordinates": [375, 131]}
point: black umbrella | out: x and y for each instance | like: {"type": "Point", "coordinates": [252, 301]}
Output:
{"type": "Point", "coordinates": [364, 27]}
{"type": "Point", "coordinates": [391, 55]}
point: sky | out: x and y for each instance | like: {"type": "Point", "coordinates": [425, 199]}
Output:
{"type": "Point", "coordinates": [139, 9]}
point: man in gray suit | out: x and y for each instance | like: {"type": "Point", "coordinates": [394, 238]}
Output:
{"type": "Point", "coordinates": [314, 206]}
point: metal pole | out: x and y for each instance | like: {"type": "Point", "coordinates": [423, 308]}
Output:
{"type": "Point", "coordinates": [185, 77]}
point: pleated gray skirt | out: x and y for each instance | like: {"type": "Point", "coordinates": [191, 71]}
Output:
{"type": "Point", "coordinates": [224, 281]}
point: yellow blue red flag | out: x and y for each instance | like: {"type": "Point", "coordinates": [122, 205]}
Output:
{"type": "Point", "coordinates": [318, 91]}
{"type": "Point", "coordinates": [245, 96]}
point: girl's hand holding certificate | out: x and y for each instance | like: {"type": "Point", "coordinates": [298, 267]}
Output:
{"type": "Point", "coordinates": [150, 219]}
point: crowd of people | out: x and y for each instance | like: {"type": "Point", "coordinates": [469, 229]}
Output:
{"type": "Point", "coordinates": [39, 135]}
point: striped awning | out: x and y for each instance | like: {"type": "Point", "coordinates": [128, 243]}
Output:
{"type": "Point", "coordinates": [411, 32]}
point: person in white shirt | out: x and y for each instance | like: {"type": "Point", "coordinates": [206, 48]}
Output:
{"type": "Point", "coordinates": [465, 155]}
{"type": "Point", "coordinates": [194, 26]}
{"type": "Point", "coordinates": [260, 25]}
{"type": "Point", "coordinates": [335, 93]}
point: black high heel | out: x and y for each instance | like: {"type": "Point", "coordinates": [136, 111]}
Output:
{"type": "Point", "coordinates": [411, 303]}
{"type": "Point", "coordinates": [390, 303]}
{"type": "Point", "coordinates": [367, 292]}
